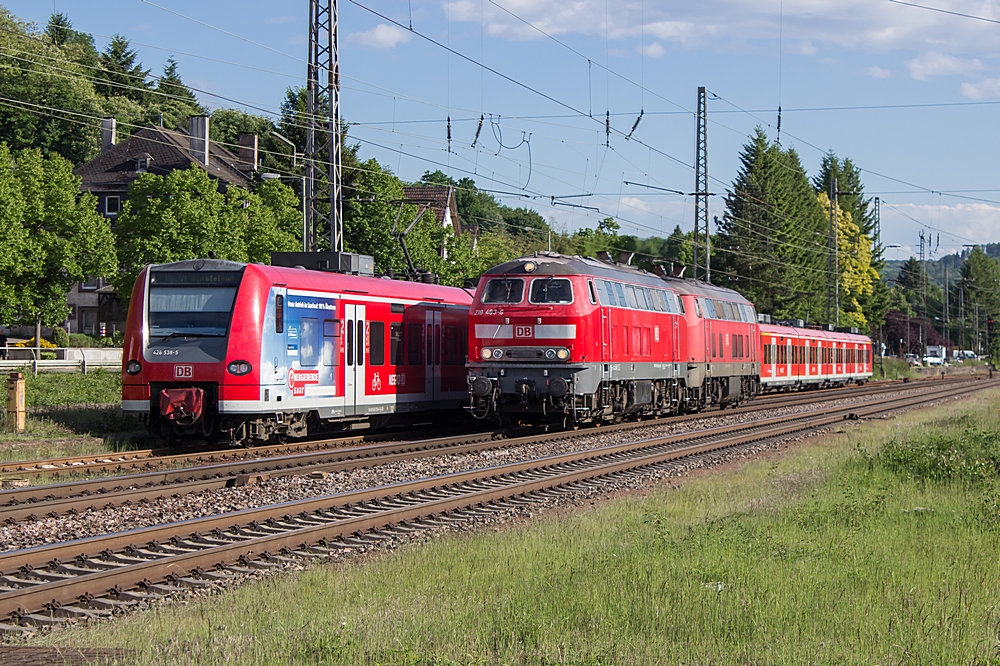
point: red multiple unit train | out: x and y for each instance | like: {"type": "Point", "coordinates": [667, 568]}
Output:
{"type": "Point", "coordinates": [580, 340]}
{"type": "Point", "coordinates": [248, 353]}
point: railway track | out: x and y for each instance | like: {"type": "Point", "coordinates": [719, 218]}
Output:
{"type": "Point", "coordinates": [147, 460]}
{"type": "Point", "coordinates": [49, 584]}
{"type": "Point", "coordinates": [80, 496]}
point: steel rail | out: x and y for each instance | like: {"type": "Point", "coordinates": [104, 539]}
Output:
{"type": "Point", "coordinates": [148, 459]}
{"type": "Point", "coordinates": [36, 579]}
{"type": "Point", "coordinates": [80, 496]}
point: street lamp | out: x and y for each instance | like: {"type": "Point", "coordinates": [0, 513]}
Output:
{"type": "Point", "coordinates": [277, 176]}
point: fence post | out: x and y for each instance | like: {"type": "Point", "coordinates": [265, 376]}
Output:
{"type": "Point", "coordinates": [16, 409]}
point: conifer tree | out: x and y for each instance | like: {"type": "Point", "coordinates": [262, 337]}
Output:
{"type": "Point", "coordinates": [121, 72]}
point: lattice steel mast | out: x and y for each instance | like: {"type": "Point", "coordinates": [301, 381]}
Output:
{"type": "Point", "coordinates": [323, 84]}
{"type": "Point", "coordinates": [701, 185]}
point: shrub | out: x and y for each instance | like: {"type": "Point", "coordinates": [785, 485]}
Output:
{"type": "Point", "coordinates": [81, 340]}
{"type": "Point", "coordinates": [60, 338]}
{"type": "Point", "coordinates": [31, 343]}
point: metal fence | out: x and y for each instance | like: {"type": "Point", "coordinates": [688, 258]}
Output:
{"type": "Point", "coordinates": [67, 360]}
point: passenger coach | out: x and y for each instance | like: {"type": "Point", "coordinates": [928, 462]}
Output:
{"type": "Point", "coordinates": [795, 357]}
{"type": "Point", "coordinates": [250, 353]}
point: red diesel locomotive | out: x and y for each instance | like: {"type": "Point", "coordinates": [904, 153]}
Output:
{"type": "Point", "coordinates": [578, 340]}
{"type": "Point", "coordinates": [250, 353]}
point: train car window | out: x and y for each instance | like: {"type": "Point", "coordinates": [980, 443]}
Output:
{"type": "Point", "coordinates": [279, 313]}
{"type": "Point", "coordinates": [607, 293]}
{"type": "Point", "coordinates": [767, 352]}
{"type": "Point", "coordinates": [551, 290]}
{"type": "Point", "coordinates": [451, 345]}
{"type": "Point", "coordinates": [396, 353]}
{"type": "Point", "coordinates": [593, 291]}
{"type": "Point", "coordinates": [414, 345]}
{"type": "Point", "coordinates": [662, 301]}
{"type": "Point", "coordinates": [730, 315]}
{"type": "Point", "coordinates": [630, 297]}
{"type": "Point", "coordinates": [376, 344]}
{"type": "Point", "coordinates": [331, 331]}
{"type": "Point", "coordinates": [430, 345]}
{"type": "Point", "coordinates": [504, 290]}
{"type": "Point", "coordinates": [349, 349]}
{"type": "Point", "coordinates": [463, 344]}
{"type": "Point", "coordinates": [361, 342]}
{"type": "Point", "coordinates": [309, 341]}
{"type": "Point", "coordinates": [648, 293]}
{"type": "Point", "coordinates": [437, 344]}
{"type": "Point", "coordinates": [396, 308]}
{"type": "Point", "coordinates": [621, 295]}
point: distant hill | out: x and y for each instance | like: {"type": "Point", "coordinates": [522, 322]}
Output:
{"type": "Point", "coordinates": [935, 267]}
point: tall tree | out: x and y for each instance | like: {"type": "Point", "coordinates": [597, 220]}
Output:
{"type": "Point", "coordinates": [771, 242]}
{"type": "Point", "coordinates": [63, 239]}
{"type": "Point", "coordinates": [121, 73]}
{"type": "Point", "coordinates": [184, 216]}
{"type": "Point", "coordinates": [857, 277]}
{"type": "Point", "coordinates": [77, 46]}
{"type": "Point", "coordinates": [31, 69]}
{"type": "Point", "coordinates": [173, 99]}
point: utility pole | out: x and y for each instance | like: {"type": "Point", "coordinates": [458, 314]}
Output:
{"type": "Point", "coordinates": [701, 183]}
{"type": "Point", "coordinates": [878, 224]}
{"type": "Point", "coordinates": [961, 316]}
{"type": "Point", "coordinates": [831, 243]}
{"type": "Point", "coordinates": [323, 85]}
{"type": "Point", "coordinates": [947, 327]}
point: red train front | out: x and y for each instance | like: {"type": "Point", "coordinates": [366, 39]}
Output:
{"type": "Point", "coordinates": [574, 339]}
{"type": "Point", "coordinates": [248, 353]}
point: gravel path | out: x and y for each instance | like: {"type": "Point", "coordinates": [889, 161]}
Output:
{"type": "Point", "coordinates": [275, 491]}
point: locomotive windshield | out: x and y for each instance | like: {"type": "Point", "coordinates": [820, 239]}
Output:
{"type": "Point", "coordinates": [551, 290]}
{"type": "Point", "coordinates": [191, 304]}
{"type": "Point", "coordinates": [504, 290]}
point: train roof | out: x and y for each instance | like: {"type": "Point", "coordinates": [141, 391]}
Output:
{"type": "Point", "coordinates": [551, 263]}
{"type": "Point", "coordinates": [300, 278]}
{"type": "Point", "coordinates": [796, 332]}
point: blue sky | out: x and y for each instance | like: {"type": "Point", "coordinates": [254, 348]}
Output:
{"type": "Point", "coordinates": [934, 167]}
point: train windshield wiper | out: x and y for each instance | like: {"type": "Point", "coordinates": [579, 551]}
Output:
{"type": "Point", "coordinates": [179, 334]}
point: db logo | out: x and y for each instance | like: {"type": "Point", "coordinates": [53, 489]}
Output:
{"type": "Point", "coordinates": [522, 331]}
{"type": "Point", "coordinates": [298, 379]}
{"type": "Point", "coordinates": [376, 383]}
{"type": "Point", "coordinates": [183, 372]}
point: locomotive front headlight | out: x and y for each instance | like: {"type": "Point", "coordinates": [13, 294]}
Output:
{"type": "Point", "coordinates": [550, 354]}
{"type": "Point", "coordinates": [239, 368]}
{"type": "Point", "coordinates": [497, 353]}
{"type": "Point", "coordinates": [562, 354]}
{"type": "Point", "coordinates": [133, 367]}
{"type": "Point", "coordinates": [486, 353]}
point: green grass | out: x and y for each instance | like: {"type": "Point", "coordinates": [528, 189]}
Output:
{"type": "Point", "coordinates": [878, 545]}
{"type": "Point", "coordinates": [895, 368]}
{"type": "Point", "coordinates": [70, 414]}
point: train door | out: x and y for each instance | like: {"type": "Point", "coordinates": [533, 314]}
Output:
{"type": "Point", "coordinates": [432, 362]}
{"type": "Point", "coordinates": [354, 359]}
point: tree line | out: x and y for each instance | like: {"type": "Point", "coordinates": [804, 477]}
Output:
{"type": "Point", "coordinates": [773, 242]}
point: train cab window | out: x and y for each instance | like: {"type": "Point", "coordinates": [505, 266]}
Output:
{"type": "Point", "coordinates": [678, 302]}
{"type": "Point", "coordinates": [414, 344]}
{"type": "Point", "coordinates": [376, 343]}
{"type": "Point", "coordinates": [592, 291]}
{"type": "Point", "coordinates": [503, 290]}
{"type": "Point", "coordinates": [551, 290]}
{"type": "Point", "coordinates": [279, 313]}
{"type": "Point", "coordinates": [309, 342]}
{"type": "Point", "coordinates": [697, 308]}
{"type": "Point", "coordinates": [451, 345]}
{"type": "Point", "coordinates": [331, 331]}
{"type": "Point", "coordinates": [396, 353]}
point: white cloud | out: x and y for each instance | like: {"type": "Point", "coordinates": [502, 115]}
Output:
{"type": "Point", "coordinates": [878, 72]}
{"type": "Point", "coordinates": [382, 36]}
{"type": "Point", "coordinates": [807, 25]}
{"type": "Point", "coordinates": [654, 50]}
{"type": "Point", "coordinates": [963, 223]}
{"type": "Point", "coordinates": [941, 64]}
{"type": "Point", "coordinates": [983, 89]}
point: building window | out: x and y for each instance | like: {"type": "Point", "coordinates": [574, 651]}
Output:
{"type": "Point", "coordinates": [141, 165]}
{"type": "Point", "coordinates": [88, 321]}
{"type": "Point", "coordinates": [112, 205]}
{"type": "Point", "coordinates": [93, 284]}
